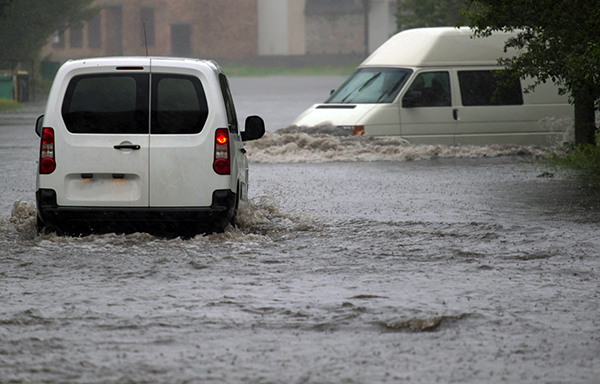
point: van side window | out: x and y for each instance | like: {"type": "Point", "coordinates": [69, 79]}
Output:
{"type": "Point", "coordinates": [107, 104]}
{"type": "Point", "coordinates": [485, 88]}
{"type": "Point", "coordinates": [178, 104]}
{"type": "Point", "coordinates": [430, 89]}
{"type": "Point", "coordinates": [229, 106]}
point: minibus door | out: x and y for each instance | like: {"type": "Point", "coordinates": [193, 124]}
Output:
{"type": "Point", "coordinates": [426, 112]}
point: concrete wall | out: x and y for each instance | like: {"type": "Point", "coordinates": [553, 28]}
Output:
{"type": "Point", "coordinates": [332, 33]}
{"type": "Point", "coordinates": [296, 27]}
{"type": "Point", "coordinates": [281, 27]}
{"type": "Point", "coordinates": [273, 27]}
{"type": "Point", "coordinates": [382, 22]}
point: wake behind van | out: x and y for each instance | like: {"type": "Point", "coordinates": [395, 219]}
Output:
{"type": "Point", "coordinates": [438, 86]}
{"type": "Point", "coordinates": [141, 144]}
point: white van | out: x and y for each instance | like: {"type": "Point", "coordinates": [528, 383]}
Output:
{"type": "Point", "coordinates": [141, 144]}
{"type": "Point", "coordinates": [437, 86]}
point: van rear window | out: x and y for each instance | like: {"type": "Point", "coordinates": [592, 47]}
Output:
{"type": "Point", "coordinates": [113, 103]}
{"type": "Point", "coordinates": [479, 88]}
{"type": "Point", "coordinates": [178, 104]}
{"type": "Point", "coordinates": [118, 103]}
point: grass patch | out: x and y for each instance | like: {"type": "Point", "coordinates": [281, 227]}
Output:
{"type": "Point", "coordinates": [582, 162]}
{"type": "Point", "coordinates": [250, 71]}
{"type": "Point", "coordinates": [9, 105]}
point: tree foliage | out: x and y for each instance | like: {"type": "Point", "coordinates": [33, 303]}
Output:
{"type": "Point", "coordinates": [26, 25]}
{"type": "Point", "coordinates": [429, 13]}
{"type": "Point", "coordinates": [4, 6]}
{"type": "Point", "coordinates": [558, 41]}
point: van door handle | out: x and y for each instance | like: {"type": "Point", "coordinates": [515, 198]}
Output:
{"type": "Point", "coordinates": [135, 147]}
{"type": "Point", "coordinates": [455, 113]}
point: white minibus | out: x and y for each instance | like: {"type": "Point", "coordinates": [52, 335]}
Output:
{"type": "Point", "coordinates": [439, 86]}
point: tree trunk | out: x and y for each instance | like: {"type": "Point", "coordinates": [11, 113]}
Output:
{"type": "Point", "coordinates": [585, 119]}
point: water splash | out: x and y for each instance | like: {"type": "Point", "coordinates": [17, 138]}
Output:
{"type": "Point", "coordinates": [428, 324]}
{"type": "Point", "coordinates": [256, 219]}
{"type": "Point", "coordinates": [326, 143]}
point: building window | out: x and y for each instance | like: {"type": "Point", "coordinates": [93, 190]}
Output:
{"type": "Point", "coordinates": [147, 26]}
{"type": "Point", "coordinates": [76, 36]}
{"type": "Point", "coordinates": [58, 40]}
{"type": "Point", "coordinates": [94, 32]}
{"type": "Point", "coordinates": [181, 40]}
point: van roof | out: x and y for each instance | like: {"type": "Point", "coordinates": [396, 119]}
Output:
{"type": "Point", "coordinates": [440, 46]}
{"type": "Point", "coordinates": [140, 60]}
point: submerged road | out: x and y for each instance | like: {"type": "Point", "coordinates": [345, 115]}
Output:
{"type": "Point", "coordinates": [445, 269]}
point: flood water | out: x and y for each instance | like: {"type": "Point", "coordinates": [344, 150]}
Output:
{"type": "Point", "coordinates": [356, 261]}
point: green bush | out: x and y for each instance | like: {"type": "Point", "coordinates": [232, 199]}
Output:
{"type": "Point", "coordinates": [582, 161]}
{"type": "Point", "coordinates": [9, 105]}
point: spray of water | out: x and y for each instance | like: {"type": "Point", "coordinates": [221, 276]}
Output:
{"type": "Point", "coordinates": [326, 143]}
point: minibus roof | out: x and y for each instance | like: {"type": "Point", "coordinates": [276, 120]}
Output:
{"type": "Point", "coordinates": [440, 46]}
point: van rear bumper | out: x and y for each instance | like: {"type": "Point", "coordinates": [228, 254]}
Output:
{"type": "Point", "coordinates": [179, 221]}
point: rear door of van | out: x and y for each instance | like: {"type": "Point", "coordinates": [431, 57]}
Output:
{"type": "Point", "coordinates": [181, 149]}
{"type": "Point", "coordinates": [102, 140]}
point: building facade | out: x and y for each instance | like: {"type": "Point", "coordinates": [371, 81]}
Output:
{"type": "Point", "coordinates": [192, 28]}
{"type": "Point", "coordinates": [232, 29]}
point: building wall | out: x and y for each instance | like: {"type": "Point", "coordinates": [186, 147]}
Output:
{"type": "Point", "coordinates": [296, 27]}
{"type": "Point", "coordinates": [233, 29]}
{"type": "Point", "coordinates": [273, 27]}
{"type": "Point", "coordinates": [228, 28]}
{"type": "Point", "coordinates": [224, 28]}
{"type": "Point", "coordinates": [281, 27]}
{"type": "Point", "coordinates": [338, 26]}
{"type": "Point", "coordinates": [331, 33]}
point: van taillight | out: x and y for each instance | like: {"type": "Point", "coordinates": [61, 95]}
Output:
{"type": "Point", "coordinates": [221, 164]}
{"type": "Point", "coordinates": [47, 162]}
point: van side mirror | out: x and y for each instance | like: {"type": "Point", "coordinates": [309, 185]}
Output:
{"type": "Point", "coordinates": [412, 99]}
{"type": "Point", "coordinates": [254, 129]}
{"type": "Point", "coordinates": [39, 124]}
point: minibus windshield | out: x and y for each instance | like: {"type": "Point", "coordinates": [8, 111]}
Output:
{"type": "Point", "coordinates": [370, 86]}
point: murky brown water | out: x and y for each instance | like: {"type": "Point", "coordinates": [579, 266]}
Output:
{"type": "Point", "coordinates": [455, 268]}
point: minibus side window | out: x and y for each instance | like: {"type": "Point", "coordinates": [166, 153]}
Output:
{"type": "Point", "coordinates": [429, 89]}
{"type": "Point", "coordinates": [480, 88]}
